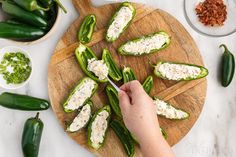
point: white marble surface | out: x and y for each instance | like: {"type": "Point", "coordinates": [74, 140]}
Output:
{"type": "Point", "coordinates": [212, 136]}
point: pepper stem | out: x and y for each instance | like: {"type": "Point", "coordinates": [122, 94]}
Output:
{"type": "Point", "coordinates": [225, 47]}
{"type": "Point", "coordinates": [44, 9]}
{"type": "Point", "coordinates": [60, 5]}
{"type": "Point", "coordinates": [37, 115]}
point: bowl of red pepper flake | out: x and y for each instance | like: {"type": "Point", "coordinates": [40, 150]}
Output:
{"type": "Point", "coordinates": [214, 18]}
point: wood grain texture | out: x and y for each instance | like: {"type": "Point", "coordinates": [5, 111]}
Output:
{"type": "Point", "coordinates": [64, 72]}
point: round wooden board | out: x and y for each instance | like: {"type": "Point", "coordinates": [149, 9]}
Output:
{"type": "Point", "coordinates": [64, 72]}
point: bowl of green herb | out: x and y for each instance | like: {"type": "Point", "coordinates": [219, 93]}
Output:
{"type": "Point", "coordinates": [15, 67]}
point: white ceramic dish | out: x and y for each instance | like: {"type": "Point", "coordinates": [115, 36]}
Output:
{"type": "Point", "coordinates": [228, 28]}
{"type": "Point", "coordinates": [7, 49]}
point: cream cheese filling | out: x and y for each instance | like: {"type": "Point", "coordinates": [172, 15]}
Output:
{"type": "Point", "coordinates": [123, 17]}
{"type": "Point", "coordinates": [145, 45]}
{"type": "Point", "coordinates": [81, 119]}
{"type": "Point", "coordinates": [168, 111]}
{"type": "Point", "coordinates": [98, 67]}
{"type": "Point", "coordinates": [178, 71]}
{"type": "Point", "coordinates": [81, 95]}
{"type": "Point", "coordinates": [98, 128]}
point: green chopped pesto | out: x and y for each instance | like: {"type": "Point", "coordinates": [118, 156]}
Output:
{"type": "Point", "coordinates": [15, 67]}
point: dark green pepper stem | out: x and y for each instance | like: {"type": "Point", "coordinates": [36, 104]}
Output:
{"type": "Point", "coordinates": [86, 29]}
{"type": "Point", "coordinates": [30, 5]}
{"type": "Point", "coordinates": [128, 75]}
{"type": "Point", "coordinates": [228, 67]}
{"type": "Point", "coordinates": [125, 137]}
{"type": "Point", "coordinates": [114, 71]}
{"type": "Point", "coordinates": [15, 11]}
{"type": "Point", "coordinates": [23, 102]}
{"type": "Point", "coordinates": [31, 136]}
{"type": "Point", "coordinates": [148, 84]}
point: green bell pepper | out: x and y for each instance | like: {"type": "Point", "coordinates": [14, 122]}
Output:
{"type": "Point", "coordinates": [148, 84]}
{"type": "Point", "coordinates": [23, 102]}
{"type": "Point", "coordinates": [113, 20]}
{"type": "Point", "coordinates": [114, 71]}
{"type": "Point", "coordinates": [86, 29]}
{"type": "Point", "coordinates": [31, 137]}
{"type": "Point", "coordinates": [83, 53]}
{"type": "Point", "coordinates": [128, 75]}
{"type": "Point", "coordinates": [76, 89]}
{"type": "Point", "coordinates": [113, 99]}
{"type": "Point", "coordinates": [228, 67]}
{"type": "Point", "coordinates": [90, 142]}
{"type": "Point", "coordinates": [138, 47]}
{"type": "Point", "coordinates": [203, 73]}
{"type": "Point", "coordinates": [125, 137]}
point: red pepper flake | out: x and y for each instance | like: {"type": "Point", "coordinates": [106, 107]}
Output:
{"type": "Point", "coordinates": [211, 12]}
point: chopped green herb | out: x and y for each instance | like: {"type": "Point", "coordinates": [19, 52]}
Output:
{"type": "Point", "coordinates": [15, 67]}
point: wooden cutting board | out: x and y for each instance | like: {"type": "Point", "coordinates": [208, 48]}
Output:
{"type": "Point", "coordinates": [64, 72]}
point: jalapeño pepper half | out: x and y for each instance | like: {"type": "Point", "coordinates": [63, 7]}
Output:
{"type": "Point", "coordinates": [82, 82]}
{"type": "Point", "coordinates": [114, 100]}
{"type": "Point", "coordinates": [125, 137]}
{"type": "Point", "coordinates": [83, 54]}
{"type": "Point", "coordinates": [114, 71]}
{"type": "Point", "coordinates": [115, 29]}
{"type": "Point", "coordinates": [128, 75]}
{"type": "Point", "coordinates": [148, 84]}
{"type": "Point", "coordinates": [203, 71]}
{"type": "Point", "coordinates": [98, 125]}
{"type": "Point", "coordinates": [86, 29]}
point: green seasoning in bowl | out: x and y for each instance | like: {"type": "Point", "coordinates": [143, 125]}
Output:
{"type": "Point", "coordinates": [15, 67]}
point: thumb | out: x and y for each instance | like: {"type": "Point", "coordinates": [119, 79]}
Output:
{"type": "Point", "coordinates": [124, 101]}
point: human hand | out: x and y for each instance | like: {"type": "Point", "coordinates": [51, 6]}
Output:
{"type": "Point", "coordinates": [138, 110]}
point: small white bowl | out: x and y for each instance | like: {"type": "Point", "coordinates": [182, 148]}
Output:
{"type": "Point", "coordinates": [8, 49]}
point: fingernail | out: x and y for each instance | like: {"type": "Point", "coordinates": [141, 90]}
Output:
{"type": "Point", "coordinates": [120, 92]}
